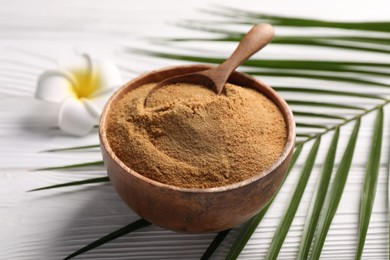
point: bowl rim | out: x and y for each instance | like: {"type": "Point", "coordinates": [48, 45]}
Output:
{"type": "Point", "coordinates": [283, 107]}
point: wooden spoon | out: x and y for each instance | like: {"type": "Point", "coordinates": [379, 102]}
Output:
{"type": "Point", "coordinates": [258, 37]}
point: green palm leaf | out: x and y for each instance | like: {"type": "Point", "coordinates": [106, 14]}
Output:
{"type": "Point", "coordinates": [74, 183]}
{"type": "Point", "coordinates": [299, 22]}
{"type": "Point", "coordinates": [317, 76]}
{"type": "Point", "coordinates": [326, 92]}
{"type": "Point", "coordinates": [235, 35]}
{"type": "Point", "coordinates": [71, 148]}
{"type": "Point", "coordinates": [278, 73]}
{"type": "Point", "coordinates": [333, 66]}
{"type": "Point", "coordinates": [287, 218]}
{"type": "Point", "coordinates": [318, 199]}
{"type": "Point", "coordinates": [229, 35]}
{"type": "Point", "coordinates": [318, 41]}
{"type": "Point", "coordinates": [322, 104]}
{"type": "Point", "coordinates": [333, 197]}
{"type": "Point", "coordinates": [370, 181]}
{"type": "Point", "coordinates": [311, 114]}
{"type": "Point", "coordinates": [302, 41]}
{"type": "Point", "coordinates": [72, 166]}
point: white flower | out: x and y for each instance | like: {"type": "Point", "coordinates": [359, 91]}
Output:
{"type": "Point", "coordinates": [81, 87]}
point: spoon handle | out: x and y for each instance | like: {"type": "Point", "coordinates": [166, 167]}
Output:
{"type": "Point", "coordinates": [258, 37]}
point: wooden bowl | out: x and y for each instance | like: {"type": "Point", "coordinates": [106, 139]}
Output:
{"type": "Point", "coordinates": [188, 209]}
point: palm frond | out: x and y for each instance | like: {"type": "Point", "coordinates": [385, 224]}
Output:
{"type": "Point", "coordinates": [322, 104]}
{"type": "Point", "coordinates": [345, 79]}
{"type": "Point", "coordinates": [71, 148]}
{"type": "Point", "coordinates": [72, 166]}
{"type": "Point", "coordinates": [354, 118]}
{"type": "Point", "coordinates": [321, 41]}
{"type": "Point", "coordinates": [318, 199]}
{"type": "Point", "coordinates": [327, 92]}
{"type": "Point", "coordinates": [299, 22]}
{"type": "Point", "coordinates": [73, 183]}
{"type": "Point", "coordinates": [333, 197]}
{"type": "Point", "coordinates": [311, 114]}
{"type": "Point", "coordinates": [286, 220]}
{"type": "Point", "coordinates": [235, 36]}
{"type": "Point", "coordinates": [370, 182]}
{"type": "Point", "coordinates": [321, 65]}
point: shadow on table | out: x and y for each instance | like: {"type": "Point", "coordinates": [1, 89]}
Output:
{"type": "Point", "coordinates": [104, 212]}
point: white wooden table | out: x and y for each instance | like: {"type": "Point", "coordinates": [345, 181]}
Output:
{"type": "Point", "coordinates": [52, 224]}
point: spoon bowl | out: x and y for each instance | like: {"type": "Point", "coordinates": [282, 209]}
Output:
{"type": "Point", "coordinates": [215, 78]}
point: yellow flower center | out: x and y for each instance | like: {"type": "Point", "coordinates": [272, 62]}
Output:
{"type": "Point", "coordinates": [86, 83]}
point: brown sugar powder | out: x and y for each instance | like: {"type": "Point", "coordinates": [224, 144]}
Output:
{"type": "Point", "coordinates": [188, 136]}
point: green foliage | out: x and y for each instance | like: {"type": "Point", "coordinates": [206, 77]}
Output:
{"type": "Point", "coordinates": [332, 199]}
{"type": "Point", "coordinates": [318, 199]}
{"type": "Point", "coordinates": [370, 181]}
{"type": "Point", "coordinates": [287, 218]}
{"type": "Point", "coordinates": [72, 166]}
{"type": "Point", "coordinates": [74, 183]}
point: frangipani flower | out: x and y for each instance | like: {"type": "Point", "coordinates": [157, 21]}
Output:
{"type": "Point", "coordinates": [81, 87]}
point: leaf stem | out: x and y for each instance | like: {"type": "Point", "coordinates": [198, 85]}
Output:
{"type": "Point", "coordinates": [331, 128]}
{"type": "Point", "coordinates": [70, 148]}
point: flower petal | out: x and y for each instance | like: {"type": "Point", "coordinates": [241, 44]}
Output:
{"type": "Point", "coordinates": [97, 103]}
{"type": "Point", "coordinates": [76, 62]}
{"type": "Point", "coordinates": [54, 86]}
{"type": "Point", "coordinates": [75, 118]}
{"type": "Point", "coordinates": [92, 108]}
{"type": "Point", "coordinates": [109, 76]}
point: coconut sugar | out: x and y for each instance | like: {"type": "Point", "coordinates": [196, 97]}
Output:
{"type": "Point", "coordinates": [188, 136]}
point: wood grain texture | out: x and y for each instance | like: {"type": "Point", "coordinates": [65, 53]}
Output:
{"type": "Point", "coordinates": [52, 224]}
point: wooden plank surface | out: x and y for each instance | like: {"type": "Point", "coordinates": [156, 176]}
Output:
{"type": "Point", "coordinates": [52, 224]}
